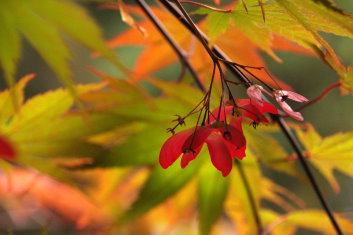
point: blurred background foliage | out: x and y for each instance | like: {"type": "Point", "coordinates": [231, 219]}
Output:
{"type": "Point", "coordinates": [307, 75]}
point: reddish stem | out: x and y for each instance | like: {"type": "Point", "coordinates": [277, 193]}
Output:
{"type": "Point", "coordinates": [319, 97]}
{"type": "Point", "coordinates": [235, 83]}
{"type": "Point", "coordinates": [206, 6]}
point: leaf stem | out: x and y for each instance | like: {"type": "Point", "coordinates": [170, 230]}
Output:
{"type": "Point", "coordinates": [319, 97]}
{"type": "Point", "coordinates": [183, 58]}
{"type": "Point", "coordinates": [194, 29]}
{"type": "Point", "coordinates": [208, 7]}
{"type": "Point", "coordinates": [216, 50]}
{"type": "Point", "coordinates": [288, 133]}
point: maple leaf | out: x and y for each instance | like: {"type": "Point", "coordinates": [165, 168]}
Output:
{"type": "Point", "coordinates": [31, 188]}
{"type": "Point", "coordinates": [250, 22]}
{"type": "Point", "coordinates": [289, 20]}
{"type": "Point", "coordinates": [324, 16]}
{"type": "Point", "coordinates": [289, 223]}
{"type": "Point", "coordinates": [347, 78]}
{"type": "Point", "coordinates": [42, 128]}
{"type": "Point", "coordinates": [22, 18]}
{"type": "Point", "coordinates": [280, 195]}
{"type": "Point", "coordinates": [15, 93]}
{"type": "Point", "coordinates": [143, 120]}
{"type": "Point", "coordinates": [329, 153]}
{"type": "Point", "coordinates": [299, 21]}
{"type": "Point", "coordinates": [127, 18]}
{"type": "Point", "coordinates": [247, 50]}
{"type": "Point", "coordinates": [345, 72]}
{"type": "Point", "coordinates": [267, 149]}
{"type": "Point", "coordinates": [240, 208]}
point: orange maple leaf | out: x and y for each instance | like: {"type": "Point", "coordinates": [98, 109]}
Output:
{"type": "Point", "coordinates": [37, 190]}
{"type": "Point", "coordinates": [157, 54]}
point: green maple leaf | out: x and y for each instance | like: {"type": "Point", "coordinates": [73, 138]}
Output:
{"type": "Point", "coordinates": [329, 153]}
{"type": "Point", "coordinates": [43, 23]}
{"type": "Point", "coordinates": [40, 129]}
{"type": "Point", "coordinates": [212, 192]}
{"type": "Point", "coordinates": [270, 152]}
{"type": "Point", "coordinates": [289, 223]}
{"type": "Point", "coordinates": [299, 21]}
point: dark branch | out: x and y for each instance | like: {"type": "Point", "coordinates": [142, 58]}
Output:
{"type": "Point", "coordinates": [250, 196]}
{"type": "Point", "coordinates": [171, 41]}
{"type": "Point", "coordinates": [216, 50]}
{"type": "Point", "coordinates": [309, 173]}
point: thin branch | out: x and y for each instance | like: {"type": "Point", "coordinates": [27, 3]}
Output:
{"type": "Point", "coordinates": [250, 196]}
{"type": "Point", "coordinates": [295, 145]}
{"type": "Point", "coordinates": [288, 133]}
{"type": "Point", "coordinates": [216, 50]}
{"type": "Point", "coordinates": [183, 58]}
{"type": "Point", "coordinates": [195, 29]}
{"type": "Point", "coordinates": [319, 97]}
{"type": "Point", "coordinates": [208, 7]}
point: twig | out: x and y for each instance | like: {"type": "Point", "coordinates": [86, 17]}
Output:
{"type": "Point", "coordinates": [195, 29]}
{"type": "Point", "coordinates": [250, 197]}
{"type": "Point", "coordinates": [171, 41]}
{"type": "Point", "coordinates": [319, 97]}
{"type": "Point", "coordinates": [208, 7]}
